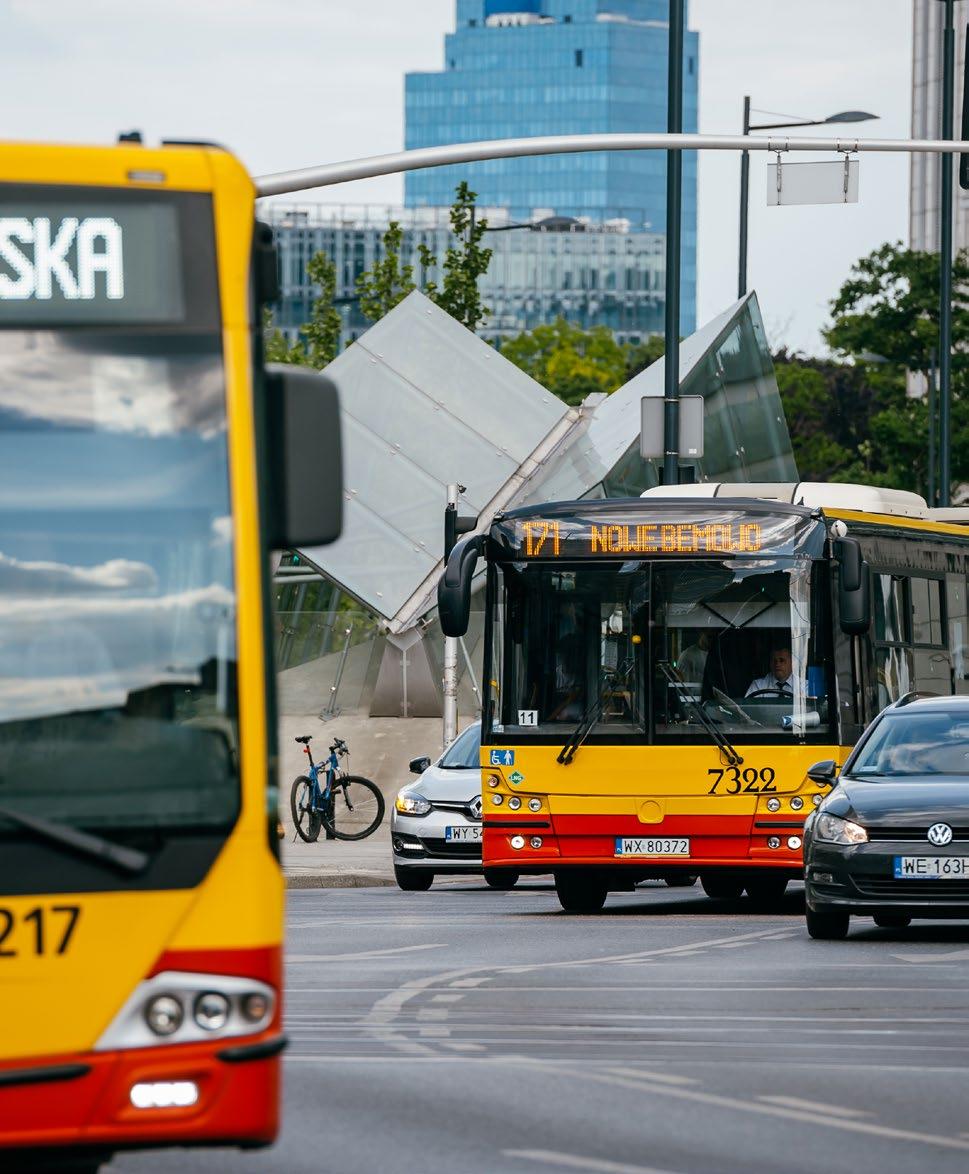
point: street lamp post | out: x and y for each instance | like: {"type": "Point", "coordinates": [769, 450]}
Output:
{"type": "Point", "coordinates": [674, 193]}
{"type": "Point", "coordinates": [945, 262]}
{"type": "Point", "coordinates": [841, 116]}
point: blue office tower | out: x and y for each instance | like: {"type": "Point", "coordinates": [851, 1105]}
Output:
{"type": "Point", "coordinates": [519, 68]}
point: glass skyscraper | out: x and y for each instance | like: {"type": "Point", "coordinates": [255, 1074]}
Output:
{"type": "Point", "coordinates": [519, 68]}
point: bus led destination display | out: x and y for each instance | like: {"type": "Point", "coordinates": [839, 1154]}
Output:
{"type": "Point", "coordinates": [646, 532]}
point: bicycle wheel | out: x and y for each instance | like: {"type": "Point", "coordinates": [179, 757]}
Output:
{"type": "Point", "coordinates": [307, 821]}
{"type": "Point", "coordinates": [358, 808]}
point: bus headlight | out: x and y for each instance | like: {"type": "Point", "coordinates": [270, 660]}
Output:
{"type": "Point", "coordinates": [211, 1011]}
{"type": "Point", "coordinates": [534, 805]}
{"type": "Point", "coordinates": [514, 803]}
{"type": "Point", "coordinates": [255, 1006]}
{"type": "Point", "coordinates": [773, 804]}
{"type": "Point", "coordinates": [164, 1015]}
{"type": "Point", "coordinates": [797, 803]}
{"type": "Point", "coordinates": [518, 841]}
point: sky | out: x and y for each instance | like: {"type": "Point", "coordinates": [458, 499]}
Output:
{"type": "Point", "coordinates": [290, 83]}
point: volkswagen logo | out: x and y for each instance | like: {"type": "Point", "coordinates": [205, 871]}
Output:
{"type": "Point", "coordinates": [475, 808]}
{"type": "Point", "coordinates": [939, 834]}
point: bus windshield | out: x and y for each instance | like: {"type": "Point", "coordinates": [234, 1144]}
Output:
{"type": "Point", "coordinates": [659, 649]}
{"type": "Point", "coordinates": [117, 630]}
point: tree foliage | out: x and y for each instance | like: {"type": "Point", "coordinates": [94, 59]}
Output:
{"type": "Point", "coordinates": [319, 341]}
{"type": "Point", "coordinates": [389, 281]}
{"type": "Point", "coordinates": [569, 361]}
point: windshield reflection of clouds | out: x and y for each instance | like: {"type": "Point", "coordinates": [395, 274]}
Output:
{"type": "Point", "coordinates": [115, 527]}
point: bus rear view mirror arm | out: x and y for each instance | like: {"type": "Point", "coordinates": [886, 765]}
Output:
{"type": "Point", "coordinates": [454, 586]}
{"type": "Point", "coordinates": [854, 587]}
{"type": "Point", "coordinates": [305, 496]}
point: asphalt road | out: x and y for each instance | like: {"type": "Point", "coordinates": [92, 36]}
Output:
{"type": "Point", "coordinates": [464, 1030]}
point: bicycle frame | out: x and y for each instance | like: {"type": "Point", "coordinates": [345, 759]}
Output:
{"type": "Point", "coordinates": [321, 795]}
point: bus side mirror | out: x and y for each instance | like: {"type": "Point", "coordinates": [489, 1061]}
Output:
{"type": "Point", "coordinates": [454, 586]}
{"type": "Point", "coordinates": [823, 773]}
{"type": "Point", "coordinates": [854, 587]}
{"type": "Point", "coordinates": [305, 492]}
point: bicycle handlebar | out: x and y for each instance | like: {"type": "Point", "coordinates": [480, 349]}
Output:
{"type": "Point", "coordinates": [339, 747]}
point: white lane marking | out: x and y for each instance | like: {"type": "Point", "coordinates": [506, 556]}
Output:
{"type": "Point", "coordinates": [735, 1104]}
{"type": "Point", "coordinates": [429, 1014]}
{"type": "Point", "coordinates": [737, 945]}
{"type": "Point", "coordinates": [575, 1162]}
{"type": "Point", "coordinates": [647, 1074]}
{"type": "Point", "coordinates": [363, 954]}
{"type": "Point", "coordinates": [814, 1106]}
{"type": "Point", "coordinates": [952, 956]}
{"type": "Point", "coordinates": [446, 998]}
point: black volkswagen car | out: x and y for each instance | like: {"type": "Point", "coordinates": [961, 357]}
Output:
{"type": "Point", "coordinates": [891, 840]}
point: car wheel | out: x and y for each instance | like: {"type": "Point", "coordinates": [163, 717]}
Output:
{"type": "Point", "coordinates": [767, 892]}
{"type": "Point", "coordinates": [891, 921]}
{"type": "Point", "coordinates": [580, 894]}
{"type": "Point", "coordinates": [721, 887]}
{"type": "Point", "coordinates": [413, 880]}
{"type": "Point", "coordinates": [684, 880]}
{"type": "Point", "coordinates": [827, 926]}
{"type": "Point", "coordinates": [500, 878]}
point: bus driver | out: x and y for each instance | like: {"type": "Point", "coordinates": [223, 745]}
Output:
{"type": "Point", "coordinates": [780, 679]}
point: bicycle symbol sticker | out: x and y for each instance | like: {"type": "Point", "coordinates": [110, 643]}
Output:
{"type": "Point", "coordinates": [502, 758]}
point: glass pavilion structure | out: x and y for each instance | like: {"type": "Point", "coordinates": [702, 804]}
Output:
{"type": "Point", "coordinates": [424, 403]}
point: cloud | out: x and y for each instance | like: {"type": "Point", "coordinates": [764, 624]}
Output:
{"type": "Point", "coordinates": [49, 578]}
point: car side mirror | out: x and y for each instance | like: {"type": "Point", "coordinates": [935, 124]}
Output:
{"type": "Point", "coordinates": [419, 765]}
{"type": "Point", "coordinates": [304, 466]}
{"type": "Point", "coordinates": [854, 587]}
{"type": "Point", "coordinates": [824, 773]}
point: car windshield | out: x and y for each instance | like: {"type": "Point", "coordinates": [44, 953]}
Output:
{"type": "Point", "coordinates": [903, 745]}
{"type": "Point", "coordinates": [464, 753]}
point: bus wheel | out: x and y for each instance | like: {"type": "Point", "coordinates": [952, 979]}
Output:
{"type": "Point", "coordinates": [62, 1161]}
{"type": "Point", "coordinates": [500, 878]}
{"type": "Point", "coordinates": [721, 887]}
{"type": "Point", "coordinates": [681, 880]}
{"type": "Point", "coordinates": [767, 892]}
{"type": "Point", "coordinates": [580, 894]}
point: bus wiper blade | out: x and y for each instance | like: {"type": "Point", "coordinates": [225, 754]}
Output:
{"type": "Point", "coordinates": [687, 699]}
{"type": "Point", "coordinates": [594, 712]}
{"type": "Point", "coordinates": [126, 859]}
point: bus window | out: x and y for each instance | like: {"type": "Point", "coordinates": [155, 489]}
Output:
{"type": "Point", "coordinates": [958, 630]}
{"type": "Point", "coordinates": [568, 646]}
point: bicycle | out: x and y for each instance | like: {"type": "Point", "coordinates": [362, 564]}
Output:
{"type": "Point", "coordinates": [314, 805]}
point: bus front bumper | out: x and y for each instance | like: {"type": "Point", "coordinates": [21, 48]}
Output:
{"type": "Point", "coordinates": [224, 1091]}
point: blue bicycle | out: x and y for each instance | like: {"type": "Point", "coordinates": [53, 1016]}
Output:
{"type": "Point", "coordinates": [347, 806]}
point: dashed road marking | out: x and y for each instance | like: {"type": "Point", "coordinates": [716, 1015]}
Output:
{"type": "Point", "coordinates": [814, 1106]}
{"type": "Point", "coordinates": [576, 1162]}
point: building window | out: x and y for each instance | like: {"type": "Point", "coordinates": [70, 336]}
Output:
{"type": "Point", "coordinates": [578, 58]}
{"type": "Point", "coordinates": [566, 19]}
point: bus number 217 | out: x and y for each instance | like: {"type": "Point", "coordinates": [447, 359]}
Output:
{"type": "Point", "coordinates": [731, 780]}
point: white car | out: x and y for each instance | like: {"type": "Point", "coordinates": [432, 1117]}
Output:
{"type": "Point", "coordinates": [435, 826]}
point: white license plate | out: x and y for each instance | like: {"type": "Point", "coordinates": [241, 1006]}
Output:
{"type": "Point", "coordinates": [652, 846]}
{"type": "Point", "coordinates": [463, 834]}
{"type": "Point", "coordinates": [931, 867]}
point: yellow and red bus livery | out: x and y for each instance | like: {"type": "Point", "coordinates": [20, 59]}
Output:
{"type": "Point", "coordinates": [661, 672]}
{"type": "Point", "coordinates": [141, 897]}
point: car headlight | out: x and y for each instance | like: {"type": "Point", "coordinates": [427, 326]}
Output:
{"type": "Point", "coordinates": [835, 830]}
{"type": "Point", "coordinates": [411, 803]}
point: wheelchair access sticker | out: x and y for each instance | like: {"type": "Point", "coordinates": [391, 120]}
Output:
{"type": "Point", "coordinates": [502, 758]}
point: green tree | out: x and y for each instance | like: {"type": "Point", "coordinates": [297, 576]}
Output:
{"type": "Point", "coordinates": [641, 355]}
{"type": "Point", "coordinates": [319, 341]}
{"type": "Point", "coordinates": [459, 294]}
{"type": "Point", "coordinates": [388, 282]}
{"type": "Point", "coordinates": [569, 361]}
{"type": "Point", "coordinates": [885, 322]}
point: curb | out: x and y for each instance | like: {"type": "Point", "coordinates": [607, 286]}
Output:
{"type": "Point", "coordinates": [338, 880]}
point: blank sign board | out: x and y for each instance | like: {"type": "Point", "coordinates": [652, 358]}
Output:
{"type": "Point", "coordinates": [651, 446]}
{"type": "Point", "coordinates": [812, 183]}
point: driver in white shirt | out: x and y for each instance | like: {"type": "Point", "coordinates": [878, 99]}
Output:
{"type": "Point", "coordinates": [780, 679]}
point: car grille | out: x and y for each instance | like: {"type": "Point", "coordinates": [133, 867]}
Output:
{"type": "Point", "coordinates": [441, 847]}
{"type": "Point", "coordinates": [922, 890]}
{"type": "Point", "coordinates": [912, 834]}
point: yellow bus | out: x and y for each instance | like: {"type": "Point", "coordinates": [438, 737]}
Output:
{"type": "Point", "coordinates": [661, 673]}
{"type": "Point", "coordinates": [148, 465]}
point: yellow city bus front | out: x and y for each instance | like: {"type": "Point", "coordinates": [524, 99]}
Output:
{"type": "Point", "coordinates": [660, 678]}
{"type": "Point", "coordinates": [140, 900]}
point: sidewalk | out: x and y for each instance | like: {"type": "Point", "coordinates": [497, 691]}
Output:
{"type": "Point", "coordinates": [380, 749]}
